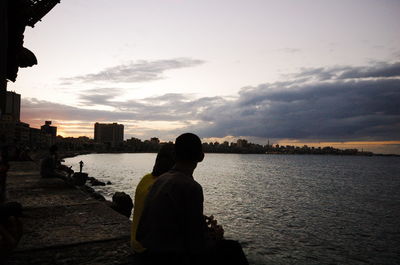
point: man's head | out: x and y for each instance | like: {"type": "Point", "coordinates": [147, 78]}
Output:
{"type": "Point", "coordinates": [188, 148]}
{"type": "Point", "coordinates": [165, 160]}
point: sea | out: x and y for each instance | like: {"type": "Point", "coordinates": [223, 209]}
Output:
{"type": "Point", "coordinates": [286, 209]}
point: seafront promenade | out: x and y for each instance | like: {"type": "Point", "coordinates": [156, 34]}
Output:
{"type": "Point", "coordinates": [62, 224]}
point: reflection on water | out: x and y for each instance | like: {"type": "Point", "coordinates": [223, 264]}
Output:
{"type": "Point", "coordinates": [287, 209]}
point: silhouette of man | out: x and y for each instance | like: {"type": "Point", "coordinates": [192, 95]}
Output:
{"type": "Point", "coordinates": [172, 227]}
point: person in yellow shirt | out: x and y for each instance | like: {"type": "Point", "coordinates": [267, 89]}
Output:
{"type": "Point", "coordinates": [164, 162]}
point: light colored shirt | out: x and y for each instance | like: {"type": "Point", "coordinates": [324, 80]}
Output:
{"type": "Point", "coordinates": [141, 192]}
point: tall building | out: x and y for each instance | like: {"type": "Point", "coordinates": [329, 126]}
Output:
{"type": "Point", "coordinates": [48, 129]}
{"type": "Point", "coordinates": [109, 133]}
{"type": "Point", "coordinates": [241, 143]}
{"type": "Point", "coordinates": [11, 129]}
{"type": "Point", "coordinates": [12, 106]}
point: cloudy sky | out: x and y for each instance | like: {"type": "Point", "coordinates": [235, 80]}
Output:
{"type": "Point", "coordinates": [295, 72]}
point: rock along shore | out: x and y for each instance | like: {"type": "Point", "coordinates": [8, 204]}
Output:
{"type": "Point", "coordinates": [63, 224]}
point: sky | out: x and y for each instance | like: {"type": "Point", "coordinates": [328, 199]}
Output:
{"type": "Point", "coordinates": [292, 71]}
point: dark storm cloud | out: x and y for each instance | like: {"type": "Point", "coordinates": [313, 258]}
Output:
{"type": "Point", "coordinates": [336, 110]}
{"type": "Point", "coordinates": [140, 71]}
{"type": "Point", "coordinates": [177, 108]}
{"type": "Point", "coordinates": [167, 107]}
{"type": "Point", "coordinates": [359, 103]}
{"type": "Point", "coordinates": [379, 70]}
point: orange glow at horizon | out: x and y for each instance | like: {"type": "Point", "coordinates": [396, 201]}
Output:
{"type": "Point", "coordinates": [75, 130]}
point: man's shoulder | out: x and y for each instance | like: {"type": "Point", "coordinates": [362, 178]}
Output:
{"type": "Point", "coordinates": [175, 176]}
{"type": "Point", "coordinates": [187, 187]}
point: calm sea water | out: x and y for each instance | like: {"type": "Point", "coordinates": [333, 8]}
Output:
{"type": "Point", "coordinates": [287, 209]}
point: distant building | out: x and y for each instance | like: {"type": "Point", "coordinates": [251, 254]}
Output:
{"type": "Point", "coordinates": [11, 129]}
{"type": "Point", "coordinates": [241, 143]}
{"type": "Point", "coordinates": [48, 129]}
{"type": "Point", "coordinates": [109, 133]}
{"type": "Point", "coordinates": [22, 133]}
{"type": "Point", "coordinates": [14, 131]}
{"type": "Point", "coordinates": [37, 138]}
{"type": "Point", "coordinates": [77, 143]}
{"type": "Point", "coordinates": [13, 105]}
{"type": "Point", "coordinates": [155, 140]}
{"type": "Point", "coordinates": [11, 111]}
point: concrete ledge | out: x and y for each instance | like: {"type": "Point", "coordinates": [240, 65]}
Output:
{"type": "Point", "coordinates": [37, 197]}
{"type": "Point", "coordinates": [72, 225]}
{"type": "Point", "coordinates": [64, 225]}
{"type": "Point", "coordinates": [113, 252]}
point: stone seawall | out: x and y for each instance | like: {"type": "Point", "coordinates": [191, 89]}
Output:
{"type": "Point", "coordinates": [64, 225]}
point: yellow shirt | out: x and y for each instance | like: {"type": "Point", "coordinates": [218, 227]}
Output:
{"type": "Point", "coordinates": [140, 196]}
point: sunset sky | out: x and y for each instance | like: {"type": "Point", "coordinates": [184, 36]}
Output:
{"type": "Point", "coordinates": [292, 71]}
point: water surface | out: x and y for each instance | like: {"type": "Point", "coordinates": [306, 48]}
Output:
{"type": "Point", "coordinates": [287, 209]}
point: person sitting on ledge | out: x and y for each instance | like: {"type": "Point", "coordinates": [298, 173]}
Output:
{"type": "Point", "coordinates": [172, 227]}
{"type": "Point", "coordinates": [164, 162]}
{"type": "Point", "coordinates": [50, 163]}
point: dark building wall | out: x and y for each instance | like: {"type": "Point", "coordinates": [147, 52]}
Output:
{"type": "Point", "coordinates": [112, 133]}
{"type": "Point", "coordinates": [48, 129]}
{"type": "Point", "coordinates": [12, 132]}
{"type": "Point", "coordinates": [13, 105]}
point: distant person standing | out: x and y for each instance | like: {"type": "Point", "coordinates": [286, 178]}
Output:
{"type": "Point", "coordinates": [80, 166]}
{"type": "Point", "coordinates": [164, 162]}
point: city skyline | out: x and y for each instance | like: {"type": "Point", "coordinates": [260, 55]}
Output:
{"type": "Point", "coordinates": [296, 73]}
